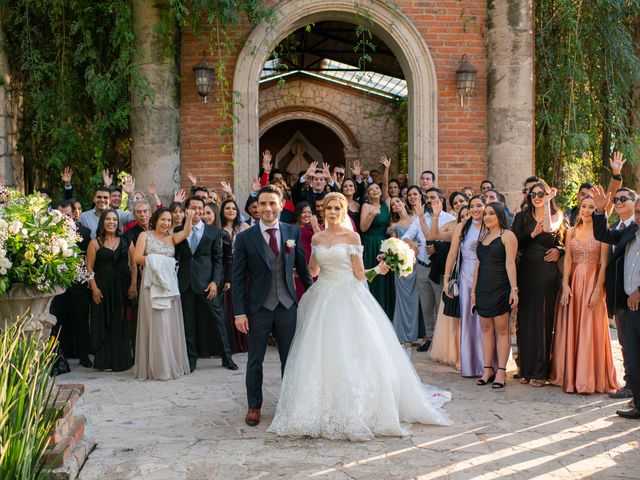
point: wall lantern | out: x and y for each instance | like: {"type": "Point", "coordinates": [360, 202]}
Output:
{"type": "Point", "coordinates": [204, 77]}
{"type": "Point", "coordinates": [466, 79]}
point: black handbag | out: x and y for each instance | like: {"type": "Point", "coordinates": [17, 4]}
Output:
{"type": "Point", "coordinates": [452, 305]}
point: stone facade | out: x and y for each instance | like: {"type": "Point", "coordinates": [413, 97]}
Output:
{"type": "Point", "coordinates": [368, 122]}
{"type": "Point", "coordinates": [428, 38]}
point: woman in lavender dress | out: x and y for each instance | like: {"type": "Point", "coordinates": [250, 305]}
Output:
{"type": "Point", "coordinates": [465, 237]}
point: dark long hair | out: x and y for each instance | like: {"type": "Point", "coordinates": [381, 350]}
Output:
{"type": "Point", "coordinates": [554, 208]}
{"type": "Point", "coordinates": [300, 206]}
{"type": "Point", "coordinates": [394, 215]}
{"type": "Point", "coordinates": [101, 233]}
{"type": "Point", "coordinates": [216, 211]}
{"type": "Point", "coordinates": [502, 220]}
{"type": "Point", "coordinates": [453, 196]}
{"type": "Point", "coordinates": [467, 224]}
{"type": "Point", "coordinates": [156, 216]}
{"type": "Point", "coordinates": [423, 199]}
{"type": "Point", "coordinates": [237, 222]}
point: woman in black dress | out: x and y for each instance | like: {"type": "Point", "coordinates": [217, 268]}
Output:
{"type": "Point", "coordinates": [108, 267]}
{"type": "Point", "coordinates": [495, 291]}
{"type": "Point", "coordinates": [540, 230]}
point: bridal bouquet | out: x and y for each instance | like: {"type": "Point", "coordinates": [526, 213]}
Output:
{"type": "Point", "coordinates": [398, 255]}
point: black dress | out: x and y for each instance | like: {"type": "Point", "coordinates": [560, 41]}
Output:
{"type": "Point", "coordinates": [492, 286]}
{"type": "Point", "coordinates": [539, 284]}
{"type": "Point", "coordinates": [109, 337]}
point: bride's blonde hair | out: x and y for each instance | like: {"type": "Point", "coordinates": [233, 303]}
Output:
{"type": "Point", "coordinates": [340, 198]}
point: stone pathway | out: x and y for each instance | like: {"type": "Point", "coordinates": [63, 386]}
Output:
{"type": "Point", "coordinates": [193, 428]}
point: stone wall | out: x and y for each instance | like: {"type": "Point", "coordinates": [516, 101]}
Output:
{"type": "Point", "coordinates": [449, 29]}
{"type": "Point", "coordinates": [370, 119]}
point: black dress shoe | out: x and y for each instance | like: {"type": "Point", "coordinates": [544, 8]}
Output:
{"type": "Point", "coordinates": [192, 368]}
{"type": "Point", "coordinates": [624, 392]}
{"type": "Point", "coordinates": [424, 347]}
{"type": "Point", "coordinates": [631, 413]}
{"type": "Point", "coordinates": [229, 364]}
{"type": "Point", "coordinates": [86, 362]}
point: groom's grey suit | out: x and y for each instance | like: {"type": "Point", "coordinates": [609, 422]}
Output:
{"type": "Point", "coordinates": [263, 289]}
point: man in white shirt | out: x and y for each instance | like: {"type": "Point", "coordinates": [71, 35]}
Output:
{"type": "Point", "coordinates": [429, 291]}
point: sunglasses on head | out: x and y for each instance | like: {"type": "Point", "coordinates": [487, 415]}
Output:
{"type": "Point", "coordinates": [621, 198]}
{"type": "Point", "coordinates": [537, 194]}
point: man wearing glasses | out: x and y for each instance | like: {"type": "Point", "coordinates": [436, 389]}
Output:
{"type": "Point", "coordinates": [485, 186]}
{"type": "Point", "coordinates": [338, 173]}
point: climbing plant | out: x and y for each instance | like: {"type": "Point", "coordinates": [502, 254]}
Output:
{"type": "Point", "coordinates": [587, 67]}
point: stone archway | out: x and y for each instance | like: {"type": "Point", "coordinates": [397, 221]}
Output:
{"type": "Point", "coordinates": [390, 25]}
{"type": "Point", "coordinates": [342, 131]}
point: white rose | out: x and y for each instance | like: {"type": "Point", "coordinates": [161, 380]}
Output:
{"type": "Point", "coordinates": [3, 224]}
{"type": "Point", "coordinates": [68, 253]}
{"type": "Point", "coordinates": [15, 227]}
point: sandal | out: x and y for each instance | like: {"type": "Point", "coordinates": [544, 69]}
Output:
{"type": "Point", "coordinates": [536, 382]}
{"type": "Point", "coordinates": [482, 381]}
{"type": "Point", "coordinates": [524, 381]}
{"type": "Point", "coordinates": [497, 385]}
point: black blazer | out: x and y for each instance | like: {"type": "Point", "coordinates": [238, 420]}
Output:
{"type": "Point", "coordinates": [614, 276]}
{"type": "Point", "coordinates": [251, 265]}
{"type": "Point", "coordinates": [299, 195]}
{"type": "Point", "coordinates": [204, 266]}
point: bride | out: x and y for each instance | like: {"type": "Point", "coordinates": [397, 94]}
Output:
{"type": "Point", "coordinates": [347, 377]}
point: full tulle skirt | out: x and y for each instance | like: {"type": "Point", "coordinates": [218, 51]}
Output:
{"type": "Point", "coordinates": [347, 376]}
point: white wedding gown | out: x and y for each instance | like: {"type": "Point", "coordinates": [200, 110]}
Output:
{"type": "Point", "coordinates": [347, 376]}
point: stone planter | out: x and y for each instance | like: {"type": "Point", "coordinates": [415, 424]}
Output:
{"type": "Point", "coordinates": [22, 298]}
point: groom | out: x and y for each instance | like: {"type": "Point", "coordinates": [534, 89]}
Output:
{"type": "Point", "coordinates": [264, 258]}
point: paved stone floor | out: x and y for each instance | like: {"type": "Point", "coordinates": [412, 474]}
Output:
{"type": "Point", "coordinates": [193, 428]}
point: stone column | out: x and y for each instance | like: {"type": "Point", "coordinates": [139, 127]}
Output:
{"type": "Point", "coordinates": [511, 107]}
{"type": "Point", "coordinates": [11, 166]}
{"type": "Point", "coordinates": [155, 155]}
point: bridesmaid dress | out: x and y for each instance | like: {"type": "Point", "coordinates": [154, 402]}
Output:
{"type": "Point", "coordinates": [471, 359]}
{"type": "Point", "coordinates": [581, 360]}
{"type": "Point", "coordinates": [382, 286]}
{"type": "Point", "coordinates": [405, 315]}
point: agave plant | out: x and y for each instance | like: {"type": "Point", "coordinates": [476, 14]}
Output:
{"type": "Point", "coordinates": [26, 417]}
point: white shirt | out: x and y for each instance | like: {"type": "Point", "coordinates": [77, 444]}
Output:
{"type": "Point", "coordinates": [198, 230]}
{"type": "Point", "coordinates": [267, 237]}
{"type": "Point", "coordinates": [414, 233]}
{"type": "Point", "coordinates": [626, 222]}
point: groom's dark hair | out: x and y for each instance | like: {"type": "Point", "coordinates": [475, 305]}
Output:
{"type": "Point", "coordinates": [270, 189]}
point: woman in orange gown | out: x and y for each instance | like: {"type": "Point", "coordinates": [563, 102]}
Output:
{"type": "Point", "coordinates": [581, 359]}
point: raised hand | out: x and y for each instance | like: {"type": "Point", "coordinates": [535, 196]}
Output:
{"type": "Point", "coordinates": [418, 209]}
{"type": "Point", "coordinates": [600, 198]}
{"type": "Point", "coordinates": [255, 184]}
{"type": "Point", "coordinates": [356, 168]}
{"type": "Point", "coordinates": [180, 196]}
{"type": "Point", "coordinates": [129, 185]}
{"type": "Point", "coordinates": [226, 188]}
{"type": "Point", "coordinates": [107, 178]}
{"type": "Point", "coordinates": [189, 213]}
{"type": "Point", "coordinates": [385, 161]}
{"type": "Point", "coordinates": [151, 188]}
{"type": "Point", "coordinates": [326, 173]}
{"type": "Point", "coordinates": [311, 171]}
{"type": "Point", "coordinates": [436, 207]}
{"type": "Point", "coordinates": [266, 161]}
{"type": "Point", "coordinates": [66, 176]}
{"type": "Point", "coordinates": [192, 178]}
{"type": "Point", "coordinates": [553, 191]}
{"type": "Point", "coordinates": [617, 163]}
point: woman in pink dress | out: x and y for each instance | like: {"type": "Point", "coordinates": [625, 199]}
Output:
{"type": "Point", "coordinates": [581, 359]}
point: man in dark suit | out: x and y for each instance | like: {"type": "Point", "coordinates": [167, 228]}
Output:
{"type": "Point", "coordinates": [264, 257]}
{"type": "Point", "coordinates": [200, 281]}
{"type": "Point", "coordinates": [623, 286]}
{"type": "Point", "coordinates": [318, 179]}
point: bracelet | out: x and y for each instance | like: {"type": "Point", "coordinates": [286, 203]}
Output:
{"type": "Point", "coordinates": [446, 276]}
{"type": "Point", "coordinates": [617, 176]}
{"type": "Point", "coordinates": [515, 290]}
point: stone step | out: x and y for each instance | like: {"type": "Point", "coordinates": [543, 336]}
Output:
{"type": "Point", "coordinates": [64, 427]}
{"type": "Point", "coordinates": [58, 453]}
{"type": "Point", "coordinates": [65, 398]}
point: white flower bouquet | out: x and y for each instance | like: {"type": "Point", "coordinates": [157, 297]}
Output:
{"type": "Point", "coordinates": [38, 246]}
{"type": "Point", "coordinates": [398, 255]}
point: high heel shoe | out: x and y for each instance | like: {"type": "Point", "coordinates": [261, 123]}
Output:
{"type": "Point", "coordinates": [497, 385]}
{"type": "Point", "coordinates": [482, 381]}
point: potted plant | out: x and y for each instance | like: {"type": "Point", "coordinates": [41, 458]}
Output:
{"type": "Point", "coordinates": [39, 258]}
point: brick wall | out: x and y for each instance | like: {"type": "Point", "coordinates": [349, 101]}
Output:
{"type": "Point", "coordinates": [450, 28]}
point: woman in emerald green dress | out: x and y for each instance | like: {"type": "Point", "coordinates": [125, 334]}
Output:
{"type": "Point", "coordinates": [374, 221]}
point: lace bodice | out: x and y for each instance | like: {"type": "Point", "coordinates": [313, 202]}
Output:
{"type": "Point", "coordinates": [587, 252]}
{"type": "Point", "coordinates": [335, 261]}
{"type": "Point", "coordinates": [159, 247]}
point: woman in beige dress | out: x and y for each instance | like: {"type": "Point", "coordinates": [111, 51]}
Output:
{"type": "Point", "coordinates": [161, 350]}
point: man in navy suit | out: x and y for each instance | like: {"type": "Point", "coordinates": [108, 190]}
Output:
{"type": "Point", "coordinates": [623, 286]}
{"type": "Point", "coordinates": [263, 260]}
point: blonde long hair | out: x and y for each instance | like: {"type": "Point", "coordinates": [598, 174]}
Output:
{"type": "Point", "coordinates": [340, 198]}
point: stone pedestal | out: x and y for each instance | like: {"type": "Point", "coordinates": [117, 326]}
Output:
{"type": "Point", "coordinates": [511, 109]}
{"type": "Point", "coordinates": [21, 299]}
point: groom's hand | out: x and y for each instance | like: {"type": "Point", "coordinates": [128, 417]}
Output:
{"type": "Point", "coordinates": [242, 323]}
{"type": "Point", "coordinates": [212, 290]}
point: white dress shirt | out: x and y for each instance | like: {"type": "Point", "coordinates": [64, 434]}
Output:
{"type": "Point", "coordinates": [414, 233]}
{"type": "Point", "coordinates": [265, 234]}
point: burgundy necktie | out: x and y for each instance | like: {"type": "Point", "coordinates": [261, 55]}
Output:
{"type": "Point", "coordinates": [273, 241]}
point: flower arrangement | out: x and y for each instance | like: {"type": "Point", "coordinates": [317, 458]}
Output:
{"type": "Point", "coordinates": [398, 255]}
{"type": "Point", "coordinates": [38, 246]}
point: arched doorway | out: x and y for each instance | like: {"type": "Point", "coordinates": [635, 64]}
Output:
{"type": "Point", "coordinates": [398, 33]}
